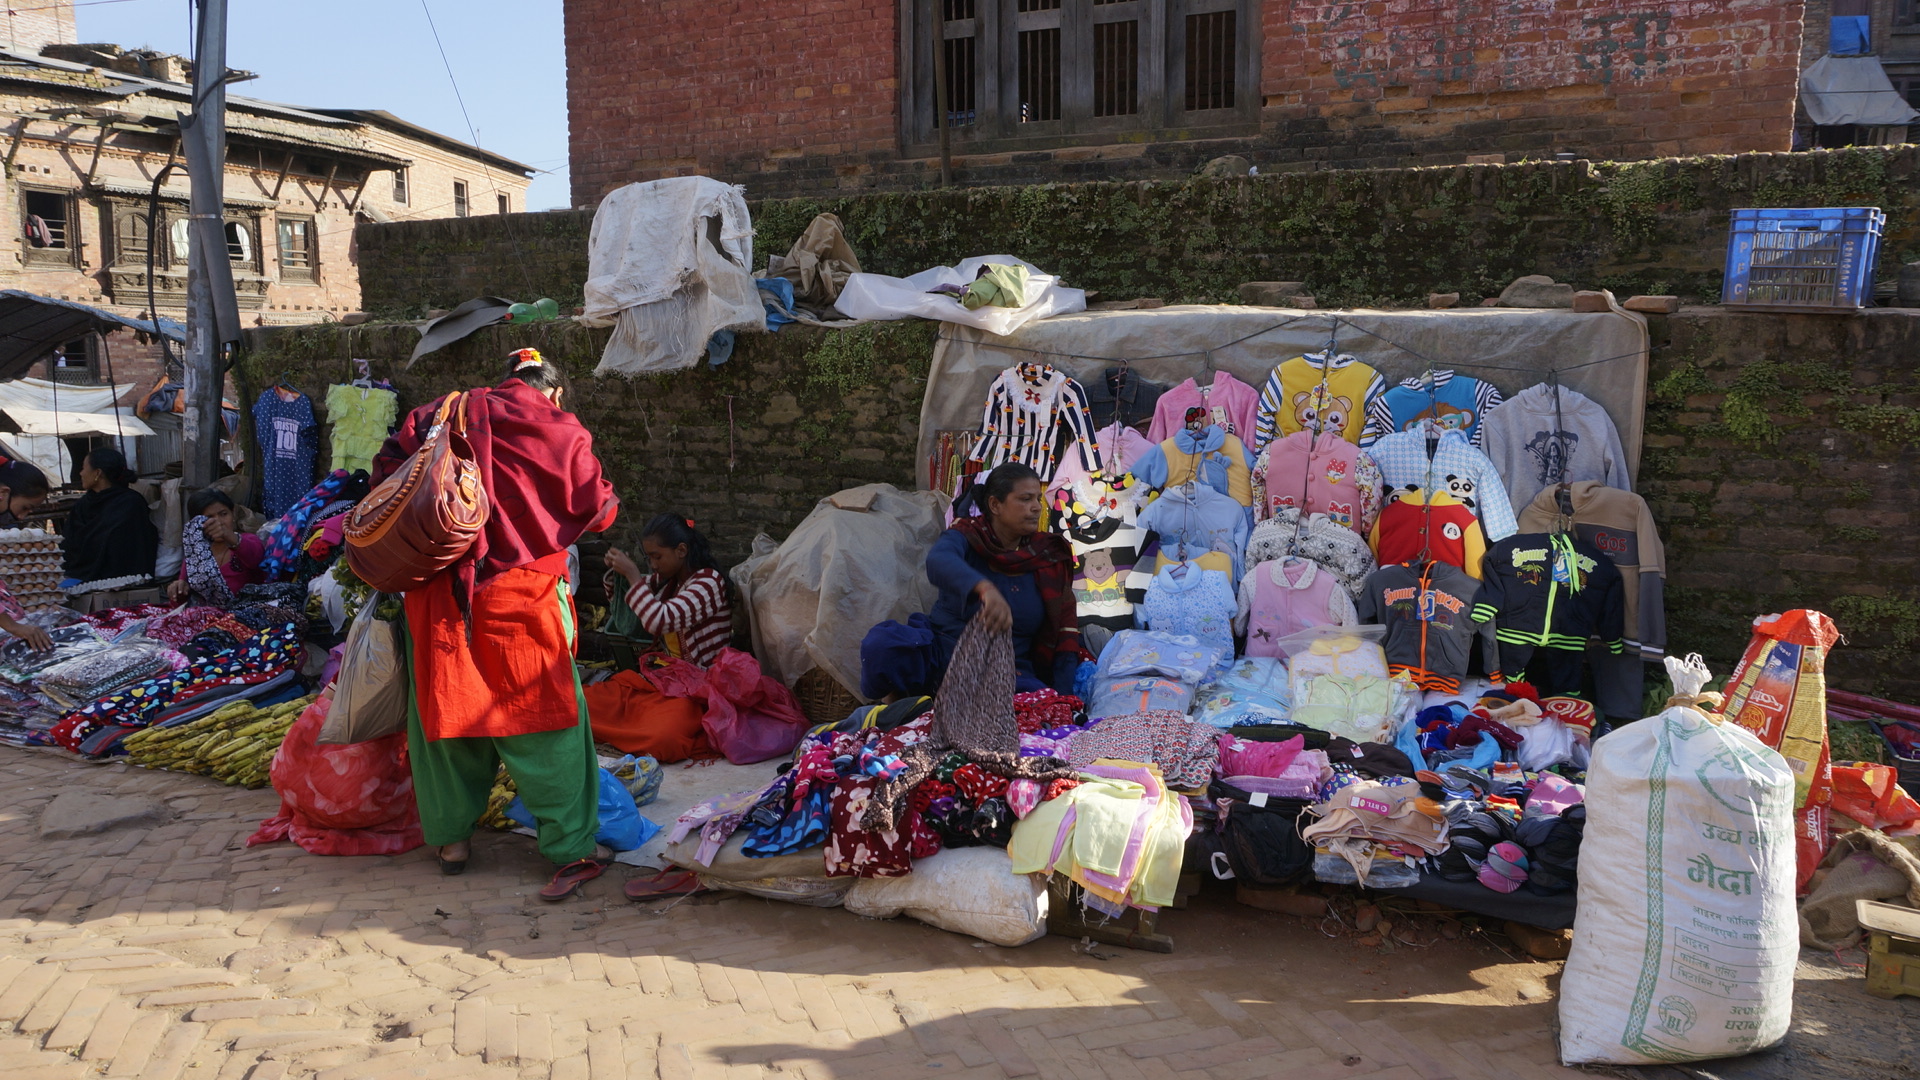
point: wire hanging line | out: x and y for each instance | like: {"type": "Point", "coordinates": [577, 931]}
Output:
{"type": "Point", "coordinates": [1337, 321]}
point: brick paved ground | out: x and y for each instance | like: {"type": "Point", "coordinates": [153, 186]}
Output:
{"type": "Point", "coordinates": [174, 951]}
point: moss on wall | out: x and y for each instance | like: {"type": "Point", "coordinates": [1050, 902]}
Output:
{"type": "Point", "coordinates": [1356, 237]}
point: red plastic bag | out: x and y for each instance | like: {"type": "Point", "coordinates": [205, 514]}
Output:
{"type": "Point", "coordinates": [749, 717]}
{"type": "Point", "coordinates": [352, 799]}
{"type": "Point", "coordinates": [1871, 795]}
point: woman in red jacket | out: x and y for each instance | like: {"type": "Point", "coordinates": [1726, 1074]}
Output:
{"type": "Point", "coordinates": [492, 637]}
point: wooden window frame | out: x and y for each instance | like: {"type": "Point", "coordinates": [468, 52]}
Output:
{"type": "Point", "coordinates": [1161, 78]}
{"type": "Point", "coordinates": [402, 187]}
{"type": "Point", "coordinates": [255, 261]}
{"type": "Point", "coordinates": [68, 255]}
{"type": "Point", "coordinates": [462, 199]}
{"type": "Point", "coordinates": [298, 275]}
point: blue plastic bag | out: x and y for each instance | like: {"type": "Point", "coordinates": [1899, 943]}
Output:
{"type": "Point", "coordinates": [622, 828]}
{"type": "Point", "coordinates": [641, 774]}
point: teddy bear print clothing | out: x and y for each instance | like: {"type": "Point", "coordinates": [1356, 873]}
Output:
{"type": "Point", "coordinates": [1432, 458]}
{"type": "Point", "coordinates": [1231, 406]}
{"type": "Point", "coordinates": [1031, 410]}
{"type": "Point", "coordinates": [1311, 393]}
{"type": "Point", "coordinates": [1455, 402]}
{"type": "Point", "coordinates": [1333, 476]}
{"type": "Point", "coordinates": [1437, 524]}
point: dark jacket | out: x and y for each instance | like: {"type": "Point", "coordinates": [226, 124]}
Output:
{"type": "Point", "coordinates": [109, 534]}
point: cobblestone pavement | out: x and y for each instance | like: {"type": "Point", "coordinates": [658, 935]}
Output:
{"type": "Point", "coordinates": [174, 951]}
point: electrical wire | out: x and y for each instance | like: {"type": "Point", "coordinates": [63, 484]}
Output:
{"type": "Point", "coordinates": [472, 133]}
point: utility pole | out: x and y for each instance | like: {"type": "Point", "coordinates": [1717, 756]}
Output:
{"type": "Point", "coordinates": [213, 315]}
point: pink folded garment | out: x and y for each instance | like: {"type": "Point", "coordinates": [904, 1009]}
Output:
{"type": "Point", "coordinates": [1552, 794]}
{"type": "Point", "coordinates": [1242, 757]}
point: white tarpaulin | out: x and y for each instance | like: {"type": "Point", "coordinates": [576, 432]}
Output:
{"type": "Point", "coordinates": [842, 571]}
{"type": "Point", "coordinates": [876, 296]}
{"type": "Point", "coordinates": [47, 412]}
{"type": "Point", "coordinates": [1852, 90]}
{"type": "Point", "coordinates": [667, 267]}
{"type": "Point", "coordinates": [1602, 355]}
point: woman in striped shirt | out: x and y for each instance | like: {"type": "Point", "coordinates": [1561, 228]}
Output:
{"type": "Point", "coordinates": [683, 602]}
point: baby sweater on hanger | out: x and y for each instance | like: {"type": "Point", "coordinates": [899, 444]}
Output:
{"type": "Point", "coordinates": [1286, 596]}
{"type": "Point", "coordinates": [1193, 521]}
{"type": "Point", "coordinates": [1431, 623]}
{"type": "Point", "coordinates": [1231, 405]}
{"type": "Point", "coordinates": [1210, 456]}
{"type": "Point", "coordinates": [1335, 548]}
{"type": "Point", "coordinates": [1186, 600]}
{"type": "Point", "coordinates": [1445, 530]}
{"type": "Point", "coordinates": [1029, 410]}
{"type": "Point", "coordinates": [1618, 524]}
{"type": "Point", "coordinates": [1119, 447]}
{"type": "Point", "coordinates": [1337, 478]}
{"type": "Point", "coordinates": [1294, 399]}
{"type": "Point", "coordinates": [1534, 449]}
{"type": "Point", "coordinates": [1456, 402]}
{"type": "Point", "coordinates": [1431, 458]}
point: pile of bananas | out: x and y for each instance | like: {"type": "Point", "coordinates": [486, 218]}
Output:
{"type": "Point", "coordinates": [498, 800]}
{"type": "Point", "coordinates": [234, 744]}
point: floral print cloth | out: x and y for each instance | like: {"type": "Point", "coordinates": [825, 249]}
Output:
{"type": "Point", "coordinates": [1185, 751]}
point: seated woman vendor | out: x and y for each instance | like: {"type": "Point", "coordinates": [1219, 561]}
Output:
{"type": "Point", "coordinates": [22, 489]}
{"type": "Point", "coordinates": [108, 532]}
{"type": "Point", "coordinates": [1015, 577]}
{"type": "Point", "coordinates": [218, 559]}
{"type": "Point", "coordinates": [683, 602]}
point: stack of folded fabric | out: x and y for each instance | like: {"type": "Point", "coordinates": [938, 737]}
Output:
{"type": "Point", "coordinates": [1120, 834]}
{"type": "Point", "coordinates": [1377, 828]}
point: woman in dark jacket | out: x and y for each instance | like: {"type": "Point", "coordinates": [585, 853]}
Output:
{"type": "Point", "coordinates": [1001, 566]}
{"type": "Point", "coordinates": [109, 533]}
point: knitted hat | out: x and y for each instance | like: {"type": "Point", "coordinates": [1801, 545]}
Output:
{"type": "Point", "coordinates": [1571, 711]}
{"type": "Point", "coordinates": [1505, 869]}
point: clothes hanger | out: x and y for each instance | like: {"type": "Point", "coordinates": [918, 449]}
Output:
{"type": "Point", "coordinates": [363, 377]}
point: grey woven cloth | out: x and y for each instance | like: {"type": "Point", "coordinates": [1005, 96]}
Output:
{"type": "Point", "coordinates": [974, 708]}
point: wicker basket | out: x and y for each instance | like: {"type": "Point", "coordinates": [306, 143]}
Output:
{"type": "Point", "coordinates": [822, 697]}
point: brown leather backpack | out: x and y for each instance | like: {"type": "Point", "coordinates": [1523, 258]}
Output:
{"type": "Point", "coordinates": [424, 517]}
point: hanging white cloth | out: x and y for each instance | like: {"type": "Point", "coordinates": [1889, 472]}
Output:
{"type": "Point", "coordinates": [667, 267]}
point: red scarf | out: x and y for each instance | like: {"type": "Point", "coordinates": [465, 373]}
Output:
{"type": "Point", "coordinates": [536, 460]}
{"type": "Point", "coordinates": [1050, 561]}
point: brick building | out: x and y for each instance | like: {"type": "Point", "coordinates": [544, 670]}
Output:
{"type": "Point", "coordinates": [810, 96]}
{"type": "Point", "coordinates": [1888, 31]}
{"type": "Point", "coordinates": [90, 127]}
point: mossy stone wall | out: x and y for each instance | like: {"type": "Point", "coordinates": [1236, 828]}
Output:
{"type": "Point", "coordinates": [1780, 464]}
{"type": "Point", "coordinates": [747, 447]}
{"type": "Point", "coordinates": [1356, 237]}
{"type": "Point", "coordinates": [1779, 456]}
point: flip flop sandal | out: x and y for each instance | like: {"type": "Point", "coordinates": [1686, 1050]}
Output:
{"type": "Point", "coordinates": [665, 883]}
{"type": "Point", "coordinates": [568, 879]}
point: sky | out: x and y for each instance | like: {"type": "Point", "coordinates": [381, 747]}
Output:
{"type": "Point", "coordinates": [507, 58]}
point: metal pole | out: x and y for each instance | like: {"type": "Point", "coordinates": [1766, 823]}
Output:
{"type": "Point", "coordinates": [940, 105]}
{"type": "Point", "coordinates": [207, 130]}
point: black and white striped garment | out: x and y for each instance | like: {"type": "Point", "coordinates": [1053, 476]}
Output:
{"type": "Point", "coordinates": [1031, 410]}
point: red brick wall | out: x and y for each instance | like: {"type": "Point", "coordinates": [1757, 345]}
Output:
{"type": "Point", "coordinates": [801, 96]}
{"type": "Point", "coordinates": [724, 87]}
{"type": "Point", "coordinates": [27, 27]}
{"type": "Point", "coordinates": [1603, 79]}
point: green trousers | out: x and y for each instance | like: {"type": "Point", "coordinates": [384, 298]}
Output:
{"type": "Point", "coordinates": [557, 774]}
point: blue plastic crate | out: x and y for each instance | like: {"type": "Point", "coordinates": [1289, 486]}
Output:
{"type": "Point", "coordinates": [1818, 260]}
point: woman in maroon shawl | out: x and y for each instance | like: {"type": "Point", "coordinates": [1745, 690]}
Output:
{"type": "Point", "coordinates": [492, 638]}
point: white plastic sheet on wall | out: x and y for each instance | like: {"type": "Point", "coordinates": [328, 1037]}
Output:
{"type": "Point", "coordinates": [876, 296]}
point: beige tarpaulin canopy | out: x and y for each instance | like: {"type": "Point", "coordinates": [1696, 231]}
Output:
{"type": "Point", "coordinates": [36, 415]}
{"type": "Point", "coordinates": [1602, 355]}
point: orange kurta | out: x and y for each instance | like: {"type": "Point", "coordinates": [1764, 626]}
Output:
{"type": "Point", "coordinates": [515, 676]}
